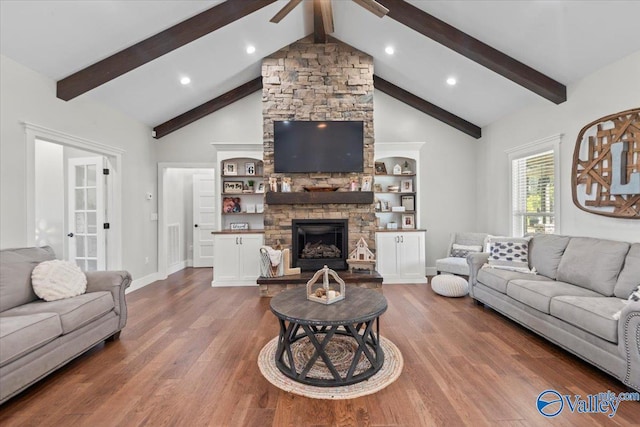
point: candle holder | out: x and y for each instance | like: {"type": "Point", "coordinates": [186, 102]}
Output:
{"type": "Point", "coordinates": [322, 292]}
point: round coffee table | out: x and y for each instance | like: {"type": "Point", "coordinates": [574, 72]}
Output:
{"type": "Point", "coordinates": [355, 320]}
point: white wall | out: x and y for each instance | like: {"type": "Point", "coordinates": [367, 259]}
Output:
{"type": "Point", "coordinates": [612, 89]}
{"type": "Point", "coordinates": [448, 162]}
{"type": "Point", "coordinates": [50, 196]}
{"type": "Point", "coordinates": [240, 122]}
{"type": "Point", "coordinates": [28, 96]}
{"type": "Point", "coordinates": [448, 157]}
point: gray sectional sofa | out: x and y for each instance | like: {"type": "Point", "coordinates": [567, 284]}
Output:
{"type": "Point", "coordinates": [573, 301]}
{"type": "Point", "coordinates": [37, 337]}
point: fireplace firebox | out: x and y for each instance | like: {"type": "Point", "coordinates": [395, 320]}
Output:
{"type": "Point", "coordinates": [319, 242]}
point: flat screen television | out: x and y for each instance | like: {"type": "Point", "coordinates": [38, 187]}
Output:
{"type": "Point", "coordinates": [318, 146]}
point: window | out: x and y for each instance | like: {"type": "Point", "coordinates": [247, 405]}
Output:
{"type": "Point", "coordinates": [534, 188]}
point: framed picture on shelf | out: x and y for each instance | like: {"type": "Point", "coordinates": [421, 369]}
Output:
{"type": "Point", "coordinates": [408, 221]}
{"type": "Point", "coordinates": [239, 226]}
{"type": "Point", "coordinates": [408, 202]}
{"type": "Point", "coordinates": [250, 168]}
{"type": "Point", "coordinates": [406, 186]}
{"type": "Point", "coordinates": [377, 188]}
{"type": "Point", "coordinates": [230, 168]}
{"type": "Point", "coordinates": [366, 183]}
{"type": "Point", "coordinates": [231, 205]}
{"type": "Point", "coordinates": [260, 187]}
{"type": "Point", "coordinates": [381, 169]}
{"type": "Point", "coordinates": [232, 187]}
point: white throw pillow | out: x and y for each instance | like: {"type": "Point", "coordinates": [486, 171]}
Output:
{"type": "Point", "coordinates": [58, 279]}
{"type": "Point", "coordinates": [510, 253]}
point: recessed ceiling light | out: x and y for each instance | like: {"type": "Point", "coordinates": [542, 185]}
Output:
{"type": "Point", "coordinates": [389, 50]}
{"type": "Point", "coordinates": [185, 80]}
{"type": "Point", "coordinates": [251, 49]}
{"type": "Point", "coordinates": [451, 81]}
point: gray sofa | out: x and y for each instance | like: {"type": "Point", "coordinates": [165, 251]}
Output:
{"type": "Point", "coordinates": [580, 286]}
{"type": "Point", "coordinates": [37, 337]}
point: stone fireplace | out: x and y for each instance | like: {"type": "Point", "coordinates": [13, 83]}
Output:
{"type": "Point", "coordinates": [308, 81]}
{"type": "Point", "coordinates": [319, 242]}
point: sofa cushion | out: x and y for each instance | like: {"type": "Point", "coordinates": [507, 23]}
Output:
{"type": "Point", "coordinates": [538, 294]}
{"type": "Point", "coordinates": [20, 335]}
{"type": "Point", "coordinates": [592, 314]}
{"type": "Point", "coordinates": [16, 266]}
{"type": "Point", "coordinates": [58, 279]}
{"type": "Point", "coordinates": [497, 279]}
{"type": "Point", "coordinates": [593, 263]}
{"type": "Point", "coordinates": [453, 265]}
{"type": "Point", "coordinates": [545, 253]}
{"type": "Point", "coordinates": [74, 312]}
{"type": "Point", "coordinates": [629, 278]}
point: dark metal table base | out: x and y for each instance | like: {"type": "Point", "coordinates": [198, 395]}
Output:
{"type": "Point", "coordinates": [366, 335]}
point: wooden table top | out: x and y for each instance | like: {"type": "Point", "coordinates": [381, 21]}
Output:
{"type": "Point", "coordinates": [359, 305]}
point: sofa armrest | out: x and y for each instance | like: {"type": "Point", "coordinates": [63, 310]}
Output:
{"type": "Point", "coordinates": [115, 282]}
{"type": "Point", "coordinates": [475, 260]}
{"type": "Point", "coordinates": [629, 342]}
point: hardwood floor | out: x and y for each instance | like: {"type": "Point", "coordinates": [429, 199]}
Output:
{"type": "Point", "coordinates": [187, 357]}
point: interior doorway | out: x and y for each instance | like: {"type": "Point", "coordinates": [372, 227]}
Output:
{"type": "Point", "coordinates": [52, 177]}
{"type": "Point", "coordinates": [186, 216]}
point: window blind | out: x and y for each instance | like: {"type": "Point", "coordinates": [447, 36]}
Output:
{"type": "Point", "coordinates": [533, 194]}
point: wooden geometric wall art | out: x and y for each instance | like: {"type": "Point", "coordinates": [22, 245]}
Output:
{"type": "Point", "coordinates": [605, 177]}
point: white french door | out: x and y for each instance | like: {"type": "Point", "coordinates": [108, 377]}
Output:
{"type": "Point", "coordinates": [204, 218]}
{"type": "Point", "coordinates": [87, 212]}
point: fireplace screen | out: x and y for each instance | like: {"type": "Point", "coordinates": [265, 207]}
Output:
{"type": "Point", "coordinates": [317, 243]}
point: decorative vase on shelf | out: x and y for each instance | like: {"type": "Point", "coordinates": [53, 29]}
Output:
{"type": "Point", "coordinates": [405, 168]}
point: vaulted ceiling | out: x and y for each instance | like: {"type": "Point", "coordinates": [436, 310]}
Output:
{"type": "Point", "coordinates": [505, 55]}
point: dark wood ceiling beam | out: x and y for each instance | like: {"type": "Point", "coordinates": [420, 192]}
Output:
{"type": "Point", "coordinates": [207, 108]}
{"type": "Point", "coordinates": [319, 33]}
{"type": "Point", "coordinates": [475, 50]}
{"type": "Point", "coordinates": [155, 46]}
{"type": "Point", "coordinates": [426, 107]}
{"type": "Point", "coordinates": [284, 11]}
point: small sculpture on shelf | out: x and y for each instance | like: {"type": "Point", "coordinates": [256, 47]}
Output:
{"type": "Point", "coordinates": [361, 258]}
{"type": "Point", "coordinates": [324, 294]}
{"type": "Point", "coordinates": [406, 170]}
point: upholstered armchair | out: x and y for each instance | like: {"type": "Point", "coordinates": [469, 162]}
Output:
{"type": "Point", "coordinates": [460, 246]}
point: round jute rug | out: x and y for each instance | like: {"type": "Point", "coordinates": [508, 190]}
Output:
{"type": "Point", "coordinates": [389, 372]}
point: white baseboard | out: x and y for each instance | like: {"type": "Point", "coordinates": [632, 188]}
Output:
{"type": "Point", "coordinates": [142, 282]}
{"type": "Point", "coordinates": [177, 266]}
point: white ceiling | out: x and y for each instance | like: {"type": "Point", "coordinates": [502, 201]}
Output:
{"type": "Point", "coordinates": [566, 40]}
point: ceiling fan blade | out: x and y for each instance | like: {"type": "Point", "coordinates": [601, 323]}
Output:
{"type": "Point", "coordinates": [374, 7]}
{"type": "Point", "coordinates": [327, 16]}
{"type": "Point", "coordinates": [284, 11]}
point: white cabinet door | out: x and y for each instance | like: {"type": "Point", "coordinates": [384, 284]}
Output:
{"type": "Point", "coordinates": [250, 257]}
{"type": "Point", "coordinates": [236, 260]}
{"type": "Point", "coordinates": [400, 257]}
{"type": "Point", "coordinates": [411, 255]}
{"type": "Point", "coordinates": [387, 255]}
{"type": "Point", "coordinates": [226, 258]}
